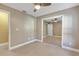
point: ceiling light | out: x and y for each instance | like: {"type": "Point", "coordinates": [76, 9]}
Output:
{"type": "Point", "coordinates": [37, 7]}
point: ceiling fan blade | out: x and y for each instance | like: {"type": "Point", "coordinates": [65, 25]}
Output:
{"type": "Point", "coordinates": [43, 4]}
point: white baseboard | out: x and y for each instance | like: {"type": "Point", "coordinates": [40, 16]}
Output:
{"type": "Point", "coordinates": [3, 44]}
{"type": "Point", "coordinates": [39, 40]}
{"type": "Point", "coordinates": [71, 49]}
{"type": "Point", "coordinates": [17, 46]}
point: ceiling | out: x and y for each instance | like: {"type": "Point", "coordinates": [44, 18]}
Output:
{"type": "Point", "coordinates": [29, 7]}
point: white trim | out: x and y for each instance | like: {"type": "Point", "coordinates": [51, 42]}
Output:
{"type": "Point", "coordinates": [9, 24]}
{"type": "Point", "coordinates": [71, 49]}
{"type": "Point", "coordinates": [62, 30]}
{"type": "Point", "coordinates": [52, 18]}
{"type": "Point", "coordinates": [19, 45]}
{"type": "Point", "coordinates": [42, 32]}
{"type": "Point", "coordinates": [3, 44]}
{"type": "Point", "coordinates": [38, 40]}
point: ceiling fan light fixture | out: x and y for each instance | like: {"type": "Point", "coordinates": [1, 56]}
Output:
{"type": "Point", "coordinates": [37, 7]}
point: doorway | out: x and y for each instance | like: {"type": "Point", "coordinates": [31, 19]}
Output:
{"type": "Point", "coordinates": [52, 31]}
{"type": "Point", "coordinates": [4, 29]}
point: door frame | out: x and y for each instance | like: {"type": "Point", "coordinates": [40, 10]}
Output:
{"type": "Point", "coordinates": [9, 29]}
{"type": "Point", "coordinates": [52, 18]}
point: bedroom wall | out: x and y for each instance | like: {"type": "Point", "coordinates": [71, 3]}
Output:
{"type": "Point", "coordinates": [57, 28]}
{"type": "Point", "coordinates": [29, 27]}
{"type": "Point", "coordinates": [22, 26]}
{"type": "Point", "coordinates": [70, 26]}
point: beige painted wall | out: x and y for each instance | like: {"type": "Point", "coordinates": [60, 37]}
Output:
{"type": "Point", "coordinates": [70, 26]}
{"type": "Point", "coordinates": [29, 27]}
{"type": "Point", "coordinates": [3, 27]}
{"type": "Point", "coordinates": [38, 28]}
{"type": "Point", "coordinates": [22, 26]}
{"type": "Point", "coordinates": [57, 28]}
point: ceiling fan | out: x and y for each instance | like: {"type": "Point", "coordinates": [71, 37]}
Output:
{"type": "Point", "coordinates": [37, 6]}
